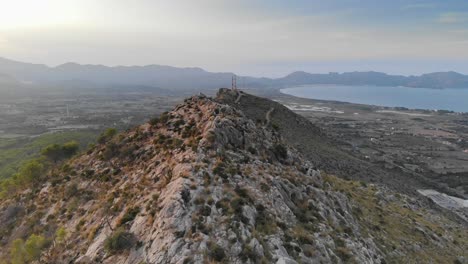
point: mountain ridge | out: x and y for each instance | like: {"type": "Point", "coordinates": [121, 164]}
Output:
{"type": "Point", "coordinates": [197, 78]}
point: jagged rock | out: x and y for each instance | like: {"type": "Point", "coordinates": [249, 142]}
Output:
{"type": "Point", "coordinates": [285, 260]}
{"type": "Point", "coordinates": [250, 213]}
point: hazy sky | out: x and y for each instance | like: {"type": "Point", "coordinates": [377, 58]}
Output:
{"type": "Point", "coordinates": [256, 37]}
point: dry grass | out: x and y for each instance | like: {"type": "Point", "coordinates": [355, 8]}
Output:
{"type": "Point", "coordinates": [393, 225]}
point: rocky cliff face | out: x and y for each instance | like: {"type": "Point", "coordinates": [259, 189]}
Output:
{"type": "Point", "coordinates": [204, 183]}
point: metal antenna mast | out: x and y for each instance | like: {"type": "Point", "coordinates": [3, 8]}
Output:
{"type": "Point", "coordinates": [234, 83]}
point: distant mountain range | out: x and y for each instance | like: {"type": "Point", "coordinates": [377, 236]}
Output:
{"type": "Point", "coordinates": [167, 77]}
{"type": "Point", "coordinates": [438, 80]}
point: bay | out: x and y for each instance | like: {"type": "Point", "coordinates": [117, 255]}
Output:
{"type": "Point", "coordinates": [413, 98]}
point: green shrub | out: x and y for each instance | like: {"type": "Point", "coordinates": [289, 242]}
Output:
{"type": "Point", "coordinates": [280, 151]}
{"type": "Point", "coordinates": [220, 170]}
{"type": "Point", "coordinates": [242, 192]}
{"type": "Point", "coordinates": [119, 241]}
{"type": "Point", "coordinates": [199, 200]}
{"type": "Point", "coordinates": [164, 117]}
{"type": "Point", "coordinates": [344, 253]}
{"type": "Point", "coordinates": [252, 150]}
{"type": "Point", "coordinates": [154, 121]}
{"type": "Point", "coordinates": [189, 130]}
{"type": "Point", "coordinates": [236, 205]}
{"type": "Point", "coordinates": [55, 152]}
{"type": "Point", "coordinates": [91, 148]}
{"type": "Point", "coordinates": [263, 222]}
{"type": "Point", "coordinates": [112, 150]}
{"type": "Point", "coordinates": [176, 143]}
{"type": "Point", "coordinates": [16, 151]}
{"type": "Point", "coordinates": [17, 252]}
{"type": "Point", "coordinates": [70, 148]}
{"type": "Point", "coordinates": [205, 210]}
{"type": "Point", "coordinates": [275, 126]}
{"type": "Point", "coordinates": [71, 190]}
{"type": "Point", "coordinates": [31, 172]}
{"type": "Point", "coordinates": [216, 252]}
{"type": "Point", "coordinates": [127, 151]}
{"type": "Point", "coordinates": [52, 152]}
{"type": "Point", "coordinates": [107, 135]}
{"type": "Point", "coordinates": [60, 235]}
{"type": "Point", "coordinates": [223, 204]}
{"type": "Point", "coordinates": [264, 187]}
{"type": "Point", "coordinates": [302, 235]}
{"type": "Point", "coordinates": [29, 251]}
{"type": "Point", "coordinates": [129, 215]}
{"type": "Point", "coordinates": [179, 123]}
{"type": "Point", "coordinates": [160, 139]}
{"type": "Point", "coordinates": [248, 253]}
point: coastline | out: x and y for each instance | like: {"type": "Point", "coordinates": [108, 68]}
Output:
{"type": "Point", "coordinates": [397, 97]}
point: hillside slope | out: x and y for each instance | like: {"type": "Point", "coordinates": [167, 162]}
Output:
{"type": "Point", "coordinates": [315, 145]}
{"type": "Point", "coordinates": [204, 183]}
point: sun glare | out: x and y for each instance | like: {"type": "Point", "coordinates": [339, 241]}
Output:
{"type": "Point", "coordinates": [20, 14]}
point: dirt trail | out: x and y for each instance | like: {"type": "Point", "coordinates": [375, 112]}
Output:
{"type": "Point", "coordinates": [238, 98]}
{"type": "Point", "coordinates": [268, 116]}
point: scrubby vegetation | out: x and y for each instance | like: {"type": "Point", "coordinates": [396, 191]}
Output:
{"type": "Point", "coordinates": [129, 215]}
{"type": "Point", "coordinates": [28, 175]}
{"type": "Point", "coordinates": [119, 241]}
{"type": "Point", "coordinates": [216, 252]}
{"type": "Point", "coordinates": [394, 224]}
{"type": "Point", "coordinates": [107, 135]}
{"type": "Point", "coordinates": [56, 152]}
{"type": "Point", "coordinates": [280, 151]}
{"type": "Point", "coordinates": [22, 252]}
{"type": "Point", "coordinates": [33, 172]}
{"type": "Point", "coordinates": [17, 151]}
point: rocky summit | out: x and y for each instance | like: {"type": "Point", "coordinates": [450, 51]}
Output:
{"type": "Point", "coordinates": [206, 183]}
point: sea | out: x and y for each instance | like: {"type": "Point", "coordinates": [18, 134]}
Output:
{"type": "Point", "coordinates": [413, 98]}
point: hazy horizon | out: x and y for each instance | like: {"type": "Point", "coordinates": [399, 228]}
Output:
{"type": "Point", "coordinates": [314, 68]}
{"type": "Point", "coordinates": [261, 38]}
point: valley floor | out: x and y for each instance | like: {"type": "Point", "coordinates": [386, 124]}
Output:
{"type": "Point", "coordinates": [428, 143]}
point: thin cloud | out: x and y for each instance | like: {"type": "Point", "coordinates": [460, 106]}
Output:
{"type": "Point", "coordinates": [420, 6]}
{"type": "Point", "coordinates": [453, 17]}
{"type": "Point", "coordinates": [217, 34]}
